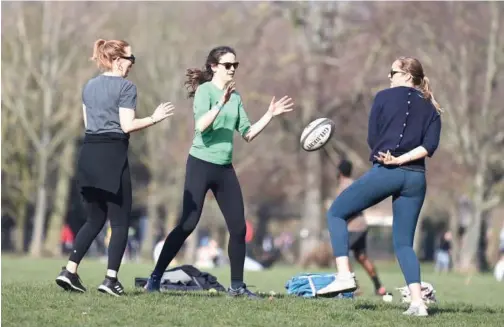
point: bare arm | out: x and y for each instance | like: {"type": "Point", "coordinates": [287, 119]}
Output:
{"type": "Point", "coordinates": [275, 108]}
{"type": "Point", "coordinates": [417, 153]}
{"type": "Point", "coordinates": [131, 124]}
{"type": "Point", "coordinates": [84, 115]}
{"type": "Point", "coordinates": [208, 118]}
{"type": "Point", "coordinates": [258, 127]}
{"type": "Point", "coordinates": [201, 105]}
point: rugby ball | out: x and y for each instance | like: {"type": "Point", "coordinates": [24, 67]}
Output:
{"type": "Point", "coordinates": [316, 134]}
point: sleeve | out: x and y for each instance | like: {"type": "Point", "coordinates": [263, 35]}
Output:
{"type": "Point", "coordinates": [128, 96]}
{"type": "Point", "coordinates": [373, 130]}
{"type": "Point", "coordinates": [201, 104]}
{"type": "Point", "coordinates": [243, 123]}
{"type": "Point", "coordinates": [432, 135]}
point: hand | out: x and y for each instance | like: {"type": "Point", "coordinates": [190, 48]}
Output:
{"type": "Point", "coordinates": [388, 159]}
{"type": "Point", "coordinates": [285, 104]}
{"type": "Point", "coordinates": [163, 111]}
{"type": "Point", "coordinates": [230, 87]}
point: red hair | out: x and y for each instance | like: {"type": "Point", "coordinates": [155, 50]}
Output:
{"type": "Point", "coordinates": [105, 52]}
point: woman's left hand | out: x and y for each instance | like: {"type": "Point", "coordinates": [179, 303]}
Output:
{"type": "Point", "coordinates": [285, 104]}
{"type": "Point", "coordinates": [388, 159]}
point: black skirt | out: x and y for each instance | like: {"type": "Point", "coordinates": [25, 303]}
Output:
{"type": "Point", "coordinates": [101, 161]}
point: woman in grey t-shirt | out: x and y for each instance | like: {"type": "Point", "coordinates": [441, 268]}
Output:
{"type": "Point", "coordinates": [109, 103]}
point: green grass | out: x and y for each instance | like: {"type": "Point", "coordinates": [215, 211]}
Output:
{"type": "Point", "coordinates": [30, 297]}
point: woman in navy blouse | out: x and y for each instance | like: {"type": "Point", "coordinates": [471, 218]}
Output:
{"type": "Point", "coordinates": [404, 128]}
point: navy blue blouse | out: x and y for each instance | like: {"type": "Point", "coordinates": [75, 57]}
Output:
{"type": "Point", "coordinates": [400, 120]}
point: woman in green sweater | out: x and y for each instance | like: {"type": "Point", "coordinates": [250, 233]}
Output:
{"type": "Point", "coordinates": [218, 112]}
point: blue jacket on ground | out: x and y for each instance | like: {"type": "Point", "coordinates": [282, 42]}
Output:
{"type": "Point", "coordinates": [306, 285]}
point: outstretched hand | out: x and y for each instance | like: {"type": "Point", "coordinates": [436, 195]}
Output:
{"type": "Point", "coordinates": [285, 104]}
{"type": "Point", "coordinates": [163, 111]}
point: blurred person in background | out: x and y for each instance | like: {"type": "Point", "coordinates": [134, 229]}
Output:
{"type": "Point", "coordinates": [67, 239]}
{"type": "Point", "coordinates": [443, 254]}
{"type": "Point", "coordinates": [499, 267]}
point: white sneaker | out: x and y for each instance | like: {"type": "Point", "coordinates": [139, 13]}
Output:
{"type": "Point", "coordinates": [342, 283]}
{"type": "Point", "coordinates": [417, 310]}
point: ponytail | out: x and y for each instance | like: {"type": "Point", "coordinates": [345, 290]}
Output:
{"type": "Point", "coordinates": [104, 52]}
{"type": "Point", "coordinates": [196, 77]}
{"type": "Point", "coordinates": [99, 56]}
{"type": "Point", "coordinates": [96, 49]}
{"type": "Point", "coordinates": [426, 90]}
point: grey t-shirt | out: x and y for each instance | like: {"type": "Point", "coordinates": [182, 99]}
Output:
{"type": "Point", "coordinates": [103, 96]}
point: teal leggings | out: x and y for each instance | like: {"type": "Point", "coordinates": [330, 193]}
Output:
{"type": "Point", "coordinates": [407, 189]}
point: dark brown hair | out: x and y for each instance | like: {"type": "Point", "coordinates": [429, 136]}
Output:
{"type": "Point", "coordinates": [414, 68]}
{"type": "Point", "coordinates": [105, 52]}
{"type": "Point", "coordinates": [196, 77]}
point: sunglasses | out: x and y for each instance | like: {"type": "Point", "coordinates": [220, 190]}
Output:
{"type": "Point", "coordinates": [130, 58]}
{"type": "Point", "coordinates": [393, 72]}
{"type": "Point", "coordinates": [228, 65]}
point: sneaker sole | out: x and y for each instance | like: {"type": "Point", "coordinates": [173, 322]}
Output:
{"type": "Point", "coordinates": [349, 287]}
{"type": "Point", "coordinates": [67, 285]}
{"type": "Point", "coordinates": [106, 290]}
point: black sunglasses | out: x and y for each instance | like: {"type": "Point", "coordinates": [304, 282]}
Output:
{"type": "Point", "coordinates": [130, 58]}
{"type": "Point", "coordinates": [228, 65]}
{"type": "Point", "coordinates": [393, 72]}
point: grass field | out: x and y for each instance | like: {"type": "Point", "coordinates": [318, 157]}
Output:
{"type": "Point", "coordinates": [30, 297]}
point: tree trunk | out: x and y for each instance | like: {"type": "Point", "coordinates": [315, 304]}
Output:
{"type": "Point", "coordinates": [40, 207]}
{"type": "Point", "coordinates": [313, 203]}
{"type": "Point", "coordinates": [152, 219]}
{"type": "Point", "coordinates": [470, 241]}
{"type": "Point", "coordinates": [312, 211]}
{"type": "Point", "coordinates": [454, 228]}
{"type": "Point", "coordinates": [20, 227]}
{"type": "Point", "coordinates": [62, 193]}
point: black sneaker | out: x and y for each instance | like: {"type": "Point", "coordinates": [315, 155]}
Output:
{"type": "Point", "coordinates": [112, 287]}
{"type": "Point", "coordinates": [242, 291]}
{"type": "Point", "coordinates": [69, 281]}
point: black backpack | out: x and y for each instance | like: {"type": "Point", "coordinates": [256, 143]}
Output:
{"type": "Point", "coordinates": [185, 278]}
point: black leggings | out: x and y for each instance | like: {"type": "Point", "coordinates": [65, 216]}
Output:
{"type": "Point", "coordinates": [99, 205]}
{"type": "Point", "coordinates": [221, 179]}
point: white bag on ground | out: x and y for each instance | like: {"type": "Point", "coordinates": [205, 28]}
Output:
{"type": "Point", "coordinates": [428, 293]}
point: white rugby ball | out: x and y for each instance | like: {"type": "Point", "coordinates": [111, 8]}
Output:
{"type": "Point", "coordinates": [316, 134]}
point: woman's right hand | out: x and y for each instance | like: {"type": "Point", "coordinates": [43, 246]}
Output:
{"type": "Point", "coordinates": [227, 92]}
{"type": "Point", "coordinates": [163, 111]}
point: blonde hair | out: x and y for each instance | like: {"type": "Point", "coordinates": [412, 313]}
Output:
{"type": "Point", "coordinates": [414, 68]}
{"type": "Point", "coordinates": [105, 52]}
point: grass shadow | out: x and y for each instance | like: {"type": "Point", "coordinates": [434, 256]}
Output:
{"type": "Point", "coordinates": [465, 309]}
{"type": "Point", "coordinates": [141, 292]}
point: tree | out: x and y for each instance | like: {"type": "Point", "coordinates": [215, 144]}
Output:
{"type": "Point", "coordinates": [467, 56]}
{"type": "Point", "coordinates": [43, 36]}
{"type": "Point", "coordinates": [322, 26]}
